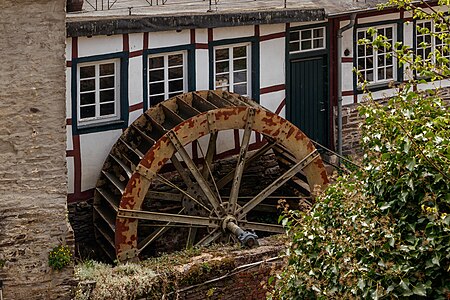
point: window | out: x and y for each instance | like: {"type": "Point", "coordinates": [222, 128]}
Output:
{"type": "Point", "coordinates": [376, 65]}
{"type": "Point", "coordinates": [166, 76]}
{"type": "Point", "coordinates": [232, 69]}
{"type": "Point", "coordinates": [98, 94]}
{"type": "Point", "coordinates": [307, 40]}
{"type": "Point", "coordinates": [427, 42]}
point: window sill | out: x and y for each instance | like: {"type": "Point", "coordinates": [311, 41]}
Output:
{"type": "Point", "coordinates": [99, 126]}
{"type": "Point", "coordinates": [374, 87]}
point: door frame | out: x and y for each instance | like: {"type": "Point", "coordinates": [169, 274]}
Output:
{"type": "Point", "coordinates": [323, 53]}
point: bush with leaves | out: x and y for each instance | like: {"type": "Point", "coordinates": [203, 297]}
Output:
{"type": "Point", "coordinates": [382, 232]}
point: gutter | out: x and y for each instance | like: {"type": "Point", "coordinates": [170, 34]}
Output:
{"type": "Point", "coordinates": [339, 78]}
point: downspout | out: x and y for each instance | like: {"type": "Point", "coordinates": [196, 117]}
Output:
{"type": "Point", "coordinates": [339, 79]}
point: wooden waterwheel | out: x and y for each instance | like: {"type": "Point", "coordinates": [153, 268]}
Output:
{"type": "Point", "coordinates": [153, 196]}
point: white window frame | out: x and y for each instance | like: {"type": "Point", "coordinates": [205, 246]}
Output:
{"type": "Point", "coordinates": [230, 72]}
{"type": "Point", "coordinates": [376, 53]}
{"type": "Point", "coordinates": [98, 118]}
{"type": "Point", "coordinates": [433, 45]}
{"type": "Point", "coordinates": [166, 79]}
{"type": "Point", "coordinates": [311, 39]}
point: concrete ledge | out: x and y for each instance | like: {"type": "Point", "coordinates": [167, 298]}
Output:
{"type": "Point", "coordinates": [133, 24]}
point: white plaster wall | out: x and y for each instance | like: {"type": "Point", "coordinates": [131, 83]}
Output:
{"type": "Point", "coordinates": [202, 69]}
{"type": "Point", "coordinates": [69, 141]}
{"type": "Point", "coordinates": [272, 62]}
{"type": "Point", "coordinates": [68, 48]}
{"type": "Point", "coordinates": [225, 141]}
{"type": "Point", "coordinates": [135, 80]}
{"type": "Point", "coordinates": [271, 28]}
{"type": "Point", "coordinates": [408, 32]}
{"type": "Point", "coordinates": [271, 101]}
{"type": "Point", "coordinates": [346, 100]}
{"type": "Point", "coordinates": [347, 40]}
{"type": "Point", "coordinates": [95, 147]}
{"type": "Point", "coordinates": [68, 93]}
{"type": "Point", "coordinates": [347, 77]}
{"type": "Point", "coordinates": [393, 16]}
{"type": "Point", "coordinates": [70, 175]}
{"type": "Point", "coordinates": [233, 33]}
{"type": "Point", "coordinates": [134, 115]}
{"type": "Point", "coordinates": [136, 41]}
{"type": "Point", "coordinates": [168, 38]}
{"type": "Point", "coordinates": [97, 45]}
{"type": "Point", "coordinates": [201, 35]}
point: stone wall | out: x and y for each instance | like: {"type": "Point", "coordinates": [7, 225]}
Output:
{"type": "Point", "coordinates": [33, 211]}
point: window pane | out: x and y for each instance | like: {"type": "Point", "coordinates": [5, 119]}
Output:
{"type": "Point", "coordinates": [156, 88]}
{"type": "Point", "coordinates": [306, 45]}
{"type": "Point", "coordinates": [175, 60]}
{"type": "Point", "coordinates": [239, 51]}
{"type": "Point", "coordinates": [86, 72]}
{"type": "Point", "coordinates": [369, 75]}
{"type": "Point", "coordinates": [222, 80]}
{"type": "Point", "coordinates": [87, 85]}
{"type": "Point", "coordinates": [176, 85]}
{"type": "Point", "coordinates": [156, 99]}
{"type": "Point", "coordinates": [318, 32]}
{"type": "Point", "coordinates": [156, 75]}
{"type": "Point", "coordinates": [389, 73]}
{"type": "Point", "coordinates": [107, 109]}
{"type": "Point", "coordinates": [240, 89]}
{"type": "Point", "coordinates": [361, 63]}
{"type": "Point", "coordinates": [222, 54]}
{"type": "Point", "coordinates": [222, 67]}
{"type": "Point", "coordinates": [176, 73]}
{"type": "Point", "coordinates": [87, 112]}
{"type": "Point", "coordinates": [318, 43]}
{"type": "Point", "coordinates": [389, 33]}
{"type": "Point", "coordinates": [369, 62]}
{"type": "Point", "coordinates": [87, 98]}
{"type": "Point", "coordinates": [294, 47]}
{"type": "Point", "coordinates": [369, 51]}
{"type": "Point", "coordinates": [240, 64]}
{"type": "Point", "coordinates": [106, 96]}
{"type": "Point", "coordinates": [381, 74]}
{"type": "Point", "coordinates": [361, 49]}
{"type": "Point", "coordinates": [361, 35]}
{"type": "Point", "coordinates": [107, 82]}
{"type": "Point", "coordinates": [306, 34]}
{"type": "Point", "coordinates": [107, 69]}
{"type": "Point", "coordinates": [156, 62]}
{"type": "Point", "coordinates": [294, 36]}
{"type": "Point", "coordinates": [380, 60]}
{"type": "Point", "coordinates": [240, 76]}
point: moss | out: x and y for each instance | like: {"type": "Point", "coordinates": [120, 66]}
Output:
{"type": "Point", "coordinates": [202, 272]}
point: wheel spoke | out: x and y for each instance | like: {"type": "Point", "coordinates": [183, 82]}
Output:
{"type": "Point", "coordinates": [209, 155]}
{"type": "Point", "coordinates": [156, 234]}
{"type": "Point", "coordinates": [210, 238]}
{"type": "Point", "coordinates": [241, 160]}
{"type": "Point", "coordinates": [197, 175]}
{"type": "Point", "coordinates": [166, 217]}
{"type": "Point", "coordinates": [228, 177]}
{"type": "Point", "coordinates": [191, 237]}
{"type": "Point", "coordinates": [177, 164]}
{"type": "Point", "coordinates": [276, 184]}
{"type": "Point", "coordinates": [274, 228]}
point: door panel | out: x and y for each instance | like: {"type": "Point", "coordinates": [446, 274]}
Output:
{"type": "Point", "coordinates": [307, 106]}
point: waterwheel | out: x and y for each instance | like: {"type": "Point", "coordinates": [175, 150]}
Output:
{"type": "Point", "coordinates": [153, 196]}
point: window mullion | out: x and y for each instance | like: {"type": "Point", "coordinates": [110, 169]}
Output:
{"type": "Point", "coordinates": [97, 90]}
{"type": "Point", "coordinates": [166, 76]}
{"type": "Point", "coordinates": [231, 64]}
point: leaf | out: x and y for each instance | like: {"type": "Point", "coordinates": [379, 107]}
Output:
{"type": "Point", "coordinates": [411, 164]}
{"type": "Point", "coordinates": [420, 289]}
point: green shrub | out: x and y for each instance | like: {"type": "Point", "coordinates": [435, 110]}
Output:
{"type": "Point", "coordinates": [59, 257]}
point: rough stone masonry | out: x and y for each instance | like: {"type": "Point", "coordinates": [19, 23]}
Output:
{"type": "Point", "coordinates": [33, 211]}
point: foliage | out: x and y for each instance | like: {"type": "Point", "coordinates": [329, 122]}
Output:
{"type": "Point", "coordinates": [59, 257]}
{"type": "Point", "coordinates": [384, 231]}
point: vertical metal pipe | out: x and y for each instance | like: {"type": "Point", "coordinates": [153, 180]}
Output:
{"type": "Point", "coordinates": [339, 78]}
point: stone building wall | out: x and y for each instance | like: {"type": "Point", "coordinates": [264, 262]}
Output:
{"type": "Point", "coordinates": [33, 184]}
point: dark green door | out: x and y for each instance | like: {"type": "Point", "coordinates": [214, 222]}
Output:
{"type": "Point", "coordinates": [307, 101]}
